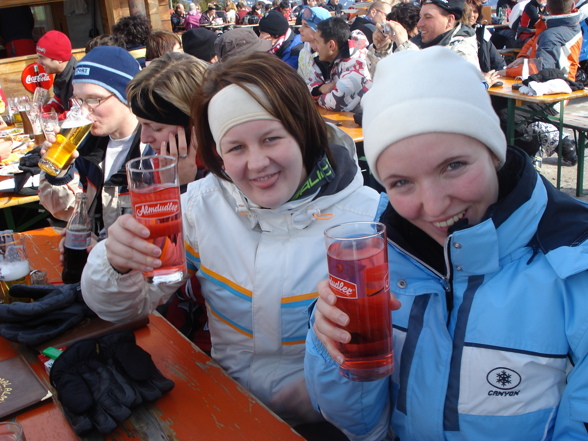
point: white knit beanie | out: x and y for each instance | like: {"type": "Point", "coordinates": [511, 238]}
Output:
{"type": "Point", "coordinates": [431, 90]}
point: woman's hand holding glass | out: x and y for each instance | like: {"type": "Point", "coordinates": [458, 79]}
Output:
{"type": "Point", "coordinates": [329, 321]}
{"type": "Point", "coordinates": [127, 247]}
{"type": "Point", "coordinates": [177, 146]}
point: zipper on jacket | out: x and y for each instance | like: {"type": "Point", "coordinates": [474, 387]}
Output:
{"type": "Point", "coordinates": [448, 285]}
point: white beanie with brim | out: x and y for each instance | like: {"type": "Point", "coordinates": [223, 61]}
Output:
{"type": "Point", "coordinates": [428, 91]}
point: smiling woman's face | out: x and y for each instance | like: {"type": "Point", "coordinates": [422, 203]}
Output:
{"type": "Point", "coordinates": [264, 161]}
{"type": "Point", "coordinates": [454, 177]}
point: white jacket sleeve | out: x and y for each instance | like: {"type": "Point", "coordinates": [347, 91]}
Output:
{"type": "Point", "coordinates": [360, 409]}
{"type": "Point", "coordinates": [119, 298]}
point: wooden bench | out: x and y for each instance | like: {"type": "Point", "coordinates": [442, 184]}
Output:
{"type": "Point", "coordinates": [579, 125]}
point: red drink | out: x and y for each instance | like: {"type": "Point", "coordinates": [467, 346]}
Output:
{"type": "Point", "coordinates": [358, 275]}
{"type": "Point", "coordinates": [158, 208]}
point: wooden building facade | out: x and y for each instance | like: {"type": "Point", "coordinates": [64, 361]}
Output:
{"type": "Point", "coordinates": [100, 17]}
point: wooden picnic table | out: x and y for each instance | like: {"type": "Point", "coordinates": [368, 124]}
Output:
{"type": "Point", "coordinates": [343, 120]}
{"type": "Point", "coordinates": [518, 102]}
{"type": "Point", "coordinates": [206, 404]}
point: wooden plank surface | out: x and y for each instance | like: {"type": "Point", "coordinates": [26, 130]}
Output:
{"type": "Point", "coordinates": [343, 120]}
{"type": "Point", "coordinates": [206, 404]}
{"type": "Point", "coordinates": [507, 91]}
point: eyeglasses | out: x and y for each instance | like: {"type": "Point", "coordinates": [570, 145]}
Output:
{"type": "Point", "coordinates": [381, 12]}
{"type": "Point", "coordinates": [91, 103]}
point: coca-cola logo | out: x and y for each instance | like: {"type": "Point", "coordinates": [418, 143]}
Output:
{"type": "Point", "coordinates": [343, 288]}
{"type": "Point", "coordinates": [37, 79]}
{"type": "Point", "coordinates": [157, 209]}
{"type": "Point", "coordinates": [34, 76]}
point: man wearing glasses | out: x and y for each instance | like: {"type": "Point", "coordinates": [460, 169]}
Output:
{"type": "Point", "coordinates": [376, 14]}
{"type": "Point", "coordinates": [99, 85]}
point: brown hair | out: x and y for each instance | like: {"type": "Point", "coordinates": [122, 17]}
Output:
{"type": "Point", "coordinates": [287, 96]}
{"type": "Point", "coordinates": [559, 7]}
{"type": "Point", "coordinates": [160, 42]}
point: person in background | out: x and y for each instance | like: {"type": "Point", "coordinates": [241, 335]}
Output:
{"type": "Point", "coordinates": [208, 17]}
{"type": "Point", "coordinates": [16, 30]}
{"type": "Point", "coordinates": [529, 18]}
{"type": "Point", "coordinates": [285, 9]}
{"type": "Point", "coordinates": [333, 6]}
{"type": "Point", "coordinates": [376, 14]}
{"type": "Point", "coordinates": [54, 54]}
{"type": "Point", "coordinates": [106, 40]}
{"type": "Point", "coordinates": [231, 12]}
{"type": "Point", "coordinates": [238, 42]}
{"type": "Point", "coordinates": [97, 166]}
{"type": "Point", "coordinates": [159, 97]}
{"type": "Point", "coordinates": [252, 17]}
{"type": "Point", "coordinates": [286, 44]}
{"type": "Point", "coordinates": [200, 44]}
{"type": "Point", "coordinates": [192, 20]}
{"type": "Point", "coordinates": [346, 78]}
{"type": "Point", "coordinates": [178, 18]}
{"type": "Point", "coordinates": [402, 19]}
{"type": "Point", "coordinates": [557, 43]}
{"type": "Point", "coordinates": [242, 10]}
{"type": "Point", "coordinates": [134, 29]}
{"type": "Point", "coordinates": [305, 4]}
{"type": "Point", "coordinates": [475, 237]}
{"type": "Point", "coordinates": [438, 25]}
{"type": "Point", "coordinates": [491, 61]}
{"type": "Point", "coordinates": [159, 43]}
{"type": "Point", "coordinates": [274, 184]}
{"type": "Point", "coordinates": [307, 60]}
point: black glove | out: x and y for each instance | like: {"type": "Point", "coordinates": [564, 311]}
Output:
{"type": "Point", "coordinates": [99, 380]}
{"type": "Point", "coordinates": [93, 394]}
{"type": "Point", "coordinates": [54, 310]}
{"type": "Point", "coordinates": [136, 364]}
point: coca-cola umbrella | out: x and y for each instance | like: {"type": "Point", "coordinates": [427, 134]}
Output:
{"type": "Point", "coordinates": [34, 76]}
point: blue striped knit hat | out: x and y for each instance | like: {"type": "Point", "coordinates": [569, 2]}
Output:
{"type": "Point", "coordinates": [111, 67]}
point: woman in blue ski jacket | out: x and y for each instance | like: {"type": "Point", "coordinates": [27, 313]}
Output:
{"type": "Point", "coordinates": [488, 261]}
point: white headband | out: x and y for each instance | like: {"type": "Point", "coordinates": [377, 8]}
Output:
{"type": "Point", "coordinates": [232, 106]}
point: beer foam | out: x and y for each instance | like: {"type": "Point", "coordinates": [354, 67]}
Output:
{"type": "Point", "coordinates": [10, 271]}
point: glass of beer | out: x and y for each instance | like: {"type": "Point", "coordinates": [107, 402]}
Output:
{"type": "Point", "coordinates": [155, 197]}
{"type": "Point", "coordinates": [358, 275]}
{"type": "Point", "coordinates": [14, 264]}
{"type": "Point", "coordinates": [50, 124]}
{"type": "Point", "coordinates": [73, 131]}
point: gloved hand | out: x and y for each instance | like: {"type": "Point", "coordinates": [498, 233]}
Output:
{"type": "Point", "coordinates": [54, 310]}
{"type": "Point", "coordinates": [99, 380]}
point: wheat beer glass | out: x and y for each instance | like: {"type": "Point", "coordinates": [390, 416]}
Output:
{"type": "Point", "coordinates": [155, 196]}
{"type": "Point", "coordinates": [73, 131]}
{"type": "Point", "coordinates": [358, 275]}
{"type": "Point", "coordinates": [14, 264]}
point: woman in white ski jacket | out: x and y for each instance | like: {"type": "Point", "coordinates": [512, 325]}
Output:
{"type": "Point", "coordinates": [253, 228]}
{"type": "Point", "coordinates": [489, 262]}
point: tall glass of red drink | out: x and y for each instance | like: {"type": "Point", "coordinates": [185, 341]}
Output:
{"type": "Point", "coordinates": [155, 196]}
{"type": "Point", "coordinates": [358, 275]}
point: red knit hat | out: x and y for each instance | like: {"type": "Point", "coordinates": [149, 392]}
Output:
{"type": "Point", "coordinates": [55, 45]}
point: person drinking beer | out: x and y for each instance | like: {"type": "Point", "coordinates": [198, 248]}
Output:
{"type": "Point", "coordinates": [97, 167]}
{"type": "Point", "coordinates": [253, 228]}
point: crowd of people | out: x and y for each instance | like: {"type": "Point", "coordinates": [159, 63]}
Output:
{"type": "Point", "coordinates": [487, 259]}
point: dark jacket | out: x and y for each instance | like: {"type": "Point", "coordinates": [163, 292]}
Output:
{"type": "Point", "coordinates": [364, 25]}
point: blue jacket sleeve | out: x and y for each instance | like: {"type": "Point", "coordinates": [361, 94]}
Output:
{"type": "Point", "coordinates": [572, 415]}
{"type": "Point", "coordinates": [360, 409]}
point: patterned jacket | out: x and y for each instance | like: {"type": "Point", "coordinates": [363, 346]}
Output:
{"type": "Point", "coordinates": [350, 74]}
